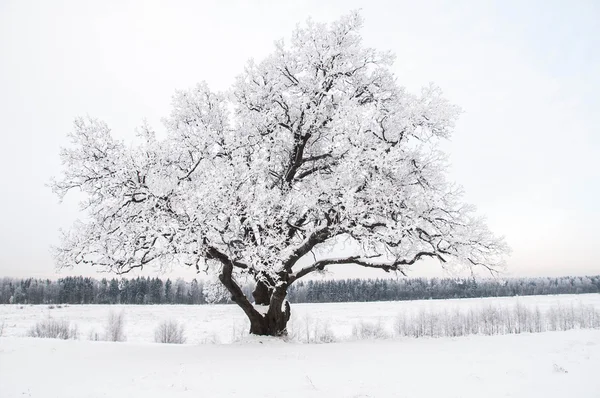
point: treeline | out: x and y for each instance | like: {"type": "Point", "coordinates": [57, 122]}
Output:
{"type": "Point", "coordinates": [332, 291]}
{"type": "Point", "coordinates": [80, 290]}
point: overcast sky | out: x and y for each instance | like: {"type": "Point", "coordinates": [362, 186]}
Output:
{"type": "Point", "coordinates": [526, 73]}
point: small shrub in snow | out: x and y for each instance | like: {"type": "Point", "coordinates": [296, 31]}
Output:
{"type": "Point", "coordinates": [292, 329]}
{"type": "Point", "coordinates": [211, 338]}
{"type": "Point", "coordinates": [53, 329]}
{"type": "Point", "coordinates": [239, 332]}
{"type": "Point", "coordinates": [50, 307]}
{"type": "Point", "coordinates": [115, 327]}
{"type": "Point", "coordinates": [307, 329]}
{"type": "Point", "coordinates": [95, 336]}
{"type": "Point", "coordinates": [368, 330]}
{"type": "Point", "coordinates": [2, 326]}
{"type": "Point", "coordinates": [170, 332]}
{"type": "Point", "coordinates": [323, 333]}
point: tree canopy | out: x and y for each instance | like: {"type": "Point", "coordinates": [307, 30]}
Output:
{"type": "Point", "coordinates": [315, 146]}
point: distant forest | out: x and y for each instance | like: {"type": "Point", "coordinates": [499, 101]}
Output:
{"type": "Point", "coordinates": [80, 290]}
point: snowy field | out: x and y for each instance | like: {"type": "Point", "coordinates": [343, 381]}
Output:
{"type": "Point", "coordinates": [227, 323]}
{"type": "Point", "coordinates": [550, 364]}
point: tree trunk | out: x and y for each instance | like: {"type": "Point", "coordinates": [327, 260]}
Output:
{"type": "Point", "coordinates": [279, 312]}
{"type": "Point", "coordinates": [261, 294]}
{"type": "Point", "coordinates": [274, 322]}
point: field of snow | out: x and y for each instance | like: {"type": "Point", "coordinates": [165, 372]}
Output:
{"type": "Point", "coordinates": [227, 323]}
{"type": "Point", "coordinates": [550, 364]}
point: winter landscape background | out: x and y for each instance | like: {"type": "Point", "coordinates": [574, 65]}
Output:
{"type": "Point", "coordinates": [201, 199]}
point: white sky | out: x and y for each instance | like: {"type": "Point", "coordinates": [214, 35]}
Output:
{"type": "Point", "coordinates": [526, 73]}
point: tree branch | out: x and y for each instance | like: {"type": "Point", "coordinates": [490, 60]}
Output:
{"type": "Point", "coordinates": [358, 260]}
{"type": "Point", "coordinates": [226, 278]}
{"type": "Point", "coordinates": [319, 235]}
{"type": "Point", "coordinates": [311, 171]}
{"type": "Point", "coordinates": [213, 253]}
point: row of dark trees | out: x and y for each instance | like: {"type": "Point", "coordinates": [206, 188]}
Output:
{"type": "Point", "coordinates": [80, 290]}
{"type": "Point", "coordinates": [322, 291]}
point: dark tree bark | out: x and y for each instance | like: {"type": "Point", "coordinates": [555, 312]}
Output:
{"type": "Point", "coordinates": [279, 312]}
{"type": "Point", "coordinates": [271, 323]}
{"type": "Point", "coordinates": [274, 321]}
{"type": "Point", "coordinates": [262, 293]}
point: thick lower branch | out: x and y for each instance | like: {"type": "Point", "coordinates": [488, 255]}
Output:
{"type": "Point", "coordinates": [387, 267]}
{"type": "Point", "coordinates": [237, 296]}
{"type": "Point", "coordinates": [215, 254]}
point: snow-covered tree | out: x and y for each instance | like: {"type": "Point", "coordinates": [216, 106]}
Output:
{"type": "Point", "coordinates": [313, 149]}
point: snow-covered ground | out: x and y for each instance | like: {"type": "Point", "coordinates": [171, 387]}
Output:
{"type": "Point", "coordinates": [226, 323]}
{"type": "Point", "coordinates": [552, 364]}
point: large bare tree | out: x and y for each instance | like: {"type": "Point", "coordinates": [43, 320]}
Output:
{"type": "Point", "coordinates": [314, 148]}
